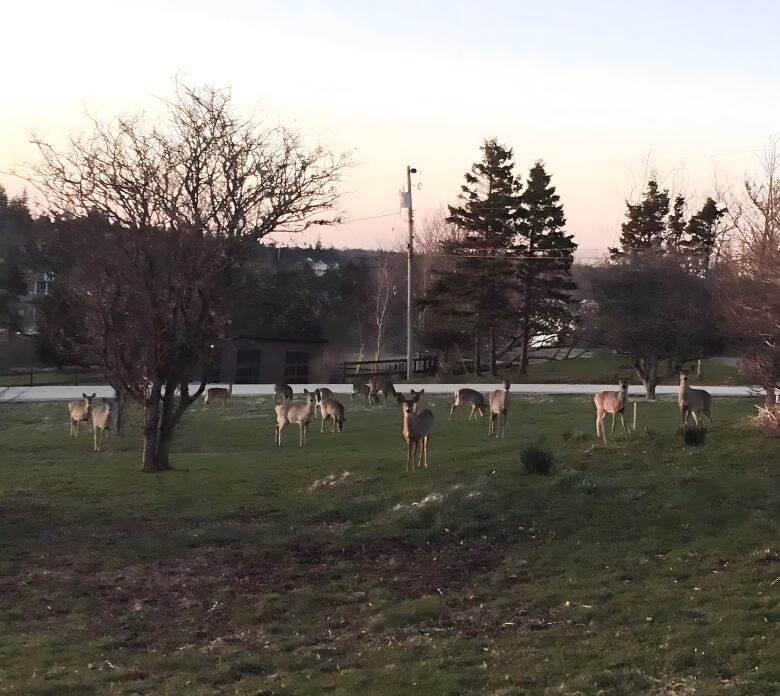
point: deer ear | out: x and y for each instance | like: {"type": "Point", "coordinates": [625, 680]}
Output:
{"type": "Point", "coordinates": [94, 395]}
{"type": "Point", "coordinates": [305, 391]}
{"type": "Point", "coordinates": [84, 395]}
{"type": "Point", "coordinates": [422, 391]}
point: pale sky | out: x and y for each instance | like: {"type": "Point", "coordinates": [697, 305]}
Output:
{"type": "Point", "coordinates": [594, 89]}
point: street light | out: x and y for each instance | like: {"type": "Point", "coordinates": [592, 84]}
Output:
{"type": "Point", "coordinates": [410, 251]}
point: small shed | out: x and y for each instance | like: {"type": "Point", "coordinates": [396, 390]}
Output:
{"type": "Point", "coordinates": [269, 359]}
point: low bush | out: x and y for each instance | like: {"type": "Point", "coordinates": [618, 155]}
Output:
{"type": "Point", "coordinates": [536, 459]}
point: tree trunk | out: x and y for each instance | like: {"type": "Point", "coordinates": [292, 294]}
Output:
{"type": "Point", "coordinates": [151, 431]}
{"type": "Point", "coordinates": [526, 339]}
{"type": "Point", "coordinates": [770, 400]}
{"type": "Point", "coordinates": [121, 409]}
{"type": "Point", "coordinates": [493, 370]}
{"type": "Point", "coordinates": [647, 371]}
{"type": "Point", "coordinates": [477, 352]}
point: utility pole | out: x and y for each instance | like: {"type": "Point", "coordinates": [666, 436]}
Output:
{"type": "Point", "coordinates": [410, 251]}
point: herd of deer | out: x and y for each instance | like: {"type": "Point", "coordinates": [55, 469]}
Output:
{"type": "Point", "coordinates": [417, 426]}
{"type": "Point", "coordinates": [692, 402]}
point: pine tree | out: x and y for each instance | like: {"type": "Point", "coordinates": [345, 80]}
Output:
{"type": "Point", "coordinates": [476, 292]}
{"type": "Point", "coordinates": [703, 232]}
{"type": "Point", "coordinates": [545, 282]}
{"type": "Point", "coordinates": [676, 226]}
{"type": "Point", "coordinates": [645, 225]}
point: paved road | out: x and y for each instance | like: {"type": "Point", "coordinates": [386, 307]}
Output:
{"type": "Point", "coordinates": [65, 393]}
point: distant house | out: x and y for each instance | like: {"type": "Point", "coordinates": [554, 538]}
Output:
{"type": "Point", "coordinates": [39, 285]}
{"type": "Point", "coordinates": [269, 359]}
{"type": "Point", "coordinates": [320, 267]}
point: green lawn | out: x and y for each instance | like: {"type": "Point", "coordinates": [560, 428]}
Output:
{"type": "Point", "coordinates": [639, 568]}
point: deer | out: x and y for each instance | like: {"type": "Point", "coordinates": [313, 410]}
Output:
{"type": "Point", "coordinates": [469, 397]}
{"type": "Point", "coordinates": [380, 383]}
{"type": "Point", "coordinates": [101, 421]}
{"type": "Point", "coordinates": [302, 414]}
{"type": "Point", "coordinates": [330, 409]}
{"type": "Point", "coordinates": [414, 398]}
{"type": "Point", "coordinates": [323, 393]}
{"type": "Point", "coordinates": [695, 402]}
{"type": "Point", "coordinates": [613, 402]}
{"type": "Point", "coordinates": [80, 412]}
{"type": "Point", "coordinates": [218, 393]}
{"type": "Point", "coordinates": [499, 408]}
{"type": "Point", "coordinates": [416, 431]}
{"type": "Point", "coordinates": [362, 390]}
{"type": "Point", "coordinates": [285, 390]}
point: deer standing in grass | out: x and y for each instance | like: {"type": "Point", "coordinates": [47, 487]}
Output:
{"type": "Point", "coordinates": [416, 431]}
{"type": "Point", "coordinates": [330, 409]}
{"type": "Point", "coordinates": [80, 412]}
{"type": "Point", "coordinates": [695, 402]}
{"type": "Point", "coordinates": [218, 393]}
{"type": "Point", "coordinates": [362, 390]}
{"type": "Point", "coordinates": [285, 390]}
{"type": "Point", "coordinates": [323, 393]}
{"type": "Point", "coordinates": [499, 409]}
{"type": "Point", "coordinates": [380, 383]}
{"type": "Point", "coordinates": [302, 414]}
{"type": "Point", "coordinates": [469, 397]}
{"type": "Point", "coordinates": [613, 402]}
{"type": "Point", "coordinates": [101, 421]}
{"type": "Point", "coordinates": [414, 399]}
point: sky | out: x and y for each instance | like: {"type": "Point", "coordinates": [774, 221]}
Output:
{"type": "Point", "coordinates": [602, 91]}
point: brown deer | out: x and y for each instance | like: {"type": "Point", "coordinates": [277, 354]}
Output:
{"type": "Point", "coordinates": [380, 383]}
{"type": "Point", "coordinates": [499, 409]}
{"type": "Point", "coordinates": [218, 393]}
{"type": "Point", "coordinates": [695, 402]}
{"type": "Point", "coordinates": [613, 402]}
{"type": "Point", "coordinates": [469, 397]}
{"type": "Point", "coordinates": [302, 414]}
{"type": "Point", "coordinates": [323, 393]}
{"type": "Point", "coordinates": [285, 390]}
{"type": "Point", "coordinates": [101, 421]}
{"type": "Point", "coordinates": [362, 390]}
{"type": "Point", "coordinates": [416, 431]}
{"type": "Point", "coordinates": [414, 398]}
{"type": "Point", "coordinates": [331, 409]}
{"type": "Point", "coordinates": [80, 412]}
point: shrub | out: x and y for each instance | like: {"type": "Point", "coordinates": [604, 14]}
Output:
{"type": "Point", "coordinates": [694, 436]}
{"type": "Point", "coordinates": [536, 459]}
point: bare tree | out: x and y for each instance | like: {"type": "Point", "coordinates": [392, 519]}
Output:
{"type": "Point", "coordinates": [751, 279]}
{"type": "Point", "coordinates": [384, 293]}
{"type": "Point", "coordinates": [162, 216]}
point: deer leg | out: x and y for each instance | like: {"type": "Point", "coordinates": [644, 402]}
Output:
{"type": "Point", "coordinates": [409, 455]}
{"type": "Point", "coordinates": [322, 427]}
{"type": "Point", "coordinates": [623, 421]}
{"type": "Point", "coordinates": [453, 407]}
{"type": "Point", "coordinates": [695, 417]}
{"type": "Point", "coordinates": [612, 432]}
{"type": "Point", "coordinates": [504, 419]}
{"type": "Point", "coordinates": [473, 411]}
{"type": "Point", "coordinates": [95, 438]}
{"type": "Point", "coordinates": [425, 450]}
{"type": "Point", "coordinates": [108, 435]}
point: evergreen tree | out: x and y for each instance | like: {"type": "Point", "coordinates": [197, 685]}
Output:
{"type": "Point", "coordinates": [477, 290]}
{"type": "Point", "coordinates": [676, 228]}
{"type": "Point", "coordinates": [545, 282]}
{"type": "Point", "coordinates": [703, 232]}
{"type": "Point", "coordinates": [645, 225]}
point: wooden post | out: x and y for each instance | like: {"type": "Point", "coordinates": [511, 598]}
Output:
{"type": "Point", "coordinates": [633, 429]}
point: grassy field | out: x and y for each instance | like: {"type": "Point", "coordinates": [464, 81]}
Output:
{"type": "Point", "coordinates": [641, 568]}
